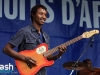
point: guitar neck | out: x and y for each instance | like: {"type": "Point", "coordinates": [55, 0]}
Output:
{"type": "Point", "coordinates": [55, 49]}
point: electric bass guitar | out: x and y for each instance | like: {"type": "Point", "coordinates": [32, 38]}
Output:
{"type": "Point", "coordinates": [41, 53]}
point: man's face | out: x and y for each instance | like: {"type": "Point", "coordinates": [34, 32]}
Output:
{"type": "Point", "coordinates": [40, 16]}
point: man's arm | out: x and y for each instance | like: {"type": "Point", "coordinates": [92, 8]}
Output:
{"type": "Point", "coordinates": [8, 49]}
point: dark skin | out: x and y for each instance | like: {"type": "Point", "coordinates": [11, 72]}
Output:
{"type": "Point", "coordinates": [89, 64]}
{"type": "Point", "coordinates": [38, 20]}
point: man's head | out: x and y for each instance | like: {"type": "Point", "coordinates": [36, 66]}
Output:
{"type": "Point", "coordinates": [88, 63]}
{"type": "Point", "coordinates": [39, 14]}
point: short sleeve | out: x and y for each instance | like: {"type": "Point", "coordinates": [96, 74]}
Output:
{"type": "Point", "coordinates": [17, 38]}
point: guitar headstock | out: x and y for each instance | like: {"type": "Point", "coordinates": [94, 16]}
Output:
{"type": "Point", "coordinates": [88, 34]}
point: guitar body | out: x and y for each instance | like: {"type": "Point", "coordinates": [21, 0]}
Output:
{"type": "Point", "coordinates": [36, 54]}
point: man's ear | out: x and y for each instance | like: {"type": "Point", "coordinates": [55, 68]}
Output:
{"type": "Point", "coordinates": [32, 15]}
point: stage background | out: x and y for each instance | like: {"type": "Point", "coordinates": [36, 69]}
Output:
{"type": "Point", "coordinates": [66, 20]}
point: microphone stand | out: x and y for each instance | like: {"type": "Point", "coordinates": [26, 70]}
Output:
{"type": "Point", "coordinates": [75, 64]}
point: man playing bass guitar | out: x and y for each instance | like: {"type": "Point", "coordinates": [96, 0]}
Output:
{"type": "Point", "coordinates": [28, 38]}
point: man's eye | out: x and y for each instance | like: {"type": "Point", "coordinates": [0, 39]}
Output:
{"type": "Point", "coordinates": [41, 13]}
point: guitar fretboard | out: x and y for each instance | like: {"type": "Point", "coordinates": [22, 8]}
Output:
{"type": "Point", "coordinates": [55, 49]}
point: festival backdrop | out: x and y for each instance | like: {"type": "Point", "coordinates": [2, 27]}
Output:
{"type": "Point", "coordinates": [67, 19]}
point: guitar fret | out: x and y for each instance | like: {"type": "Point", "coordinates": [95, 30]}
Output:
{"type": "Point", "coordinates": [68, 42]}
{"type": "Point", "coordinates": [65, 44]}
{"type": "Point", "coordinates": [74, 41]}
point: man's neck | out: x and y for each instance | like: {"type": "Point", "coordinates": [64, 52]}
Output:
{"type": "Point", "coordinates": [38, 27]}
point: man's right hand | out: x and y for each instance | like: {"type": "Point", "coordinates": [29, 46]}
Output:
{"type": "Point", "coordinates": [30, 62]}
